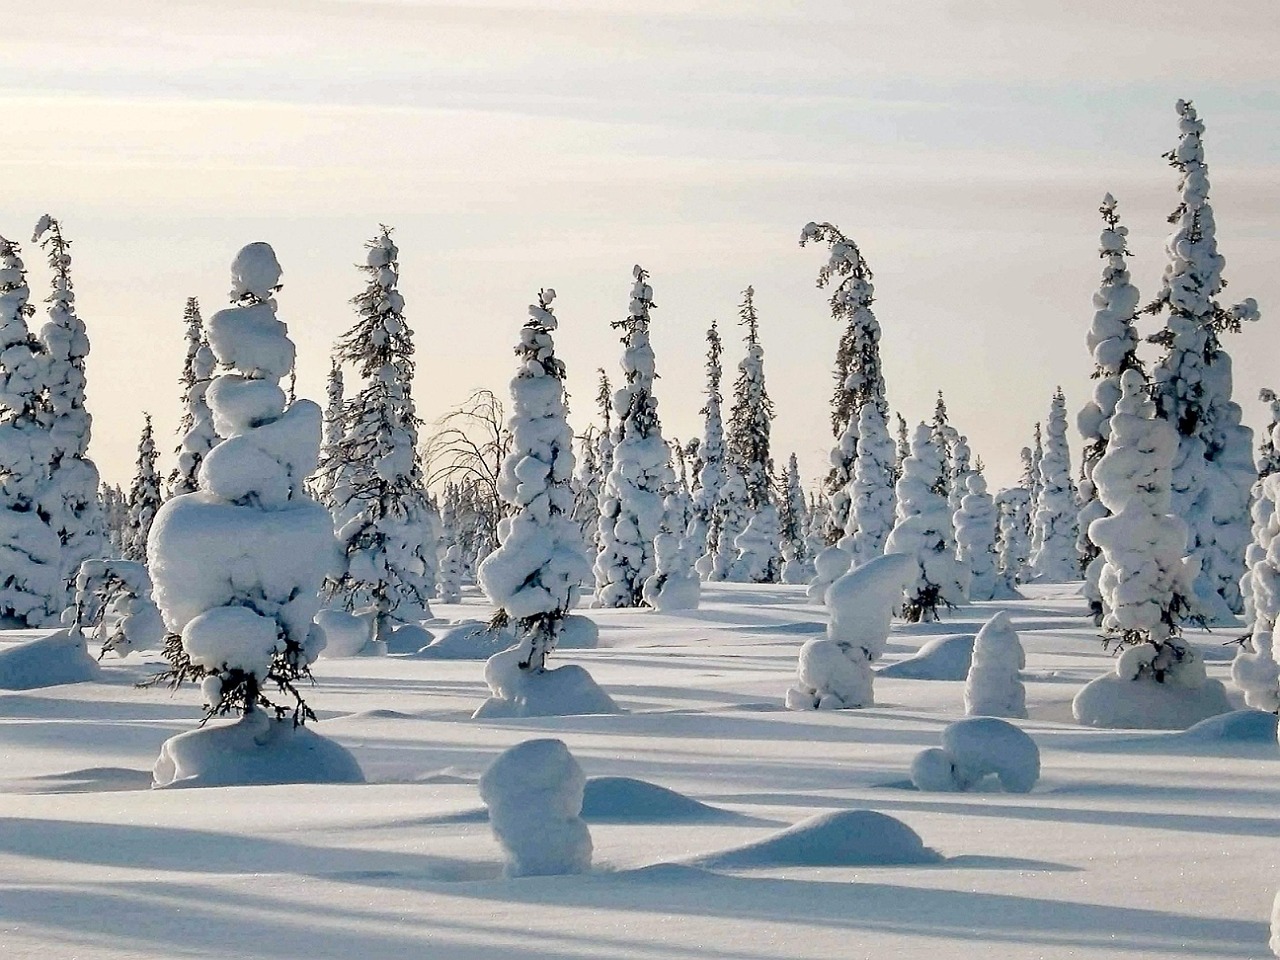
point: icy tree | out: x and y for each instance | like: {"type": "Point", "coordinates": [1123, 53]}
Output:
{"type": "Point", "coordinates": [797, 565]}
{"type": "Point", "coordinates": [923, 531]}
{"type": "Point", "coordinates": [30, 550]}
{"type": "Point", "coordinates": [704, 529]}
{"type": "Point", "coordinates": [196, 433]}
{"type": "Point", "coordinates": [144, 495]}
{"type": "Point", "coordinates": [1145, 581]}
{"type": "Point", "coordinates": [994, 687]}
{"type": "Point", "coordinates": [1113, 344]}
{"type": "Point", "coordinates": [1032, 458]}
{"type": "Point", "coordinates": [872, 491]}
{"type": "Point", "coordinates": [858, 375]}
{"type": "Point", "coordinates": [944, 438]}
{"type": "Point", "coordinates": [975, 525]}
{"type": "Point", "coordinates": [1013, 543]}
{"type": "Point", "coordinates": [1213, 471]}
{"type": "Point", "coordinates": [335, 421]}
{"type": "Point", "coordinates": [1053, 524]}
{"type": "Point", "coordinates": [380, 508]}
{"type": "Point", "coordinates": [238, 564]}
{"type": "Point", "coordinates": [631, 507]}
{"type": "Point", "coordinates": [534, 577]}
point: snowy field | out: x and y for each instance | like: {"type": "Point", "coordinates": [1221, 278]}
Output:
{"type": "Point", "coordinates": [1132, 844]}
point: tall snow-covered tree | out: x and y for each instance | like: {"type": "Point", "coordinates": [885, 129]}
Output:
{"type": "Point", "coordinates": [975, 525]}
{"type": "Point", "coordinates": [858, 374]}
{"type": "Point", "coordinates": [923, 530]}
{"type": "Point", "coordinates": [196, 435]}
{"type": "Point", "coordinates": [1263, 506]}
{"type": "Point", "coordinates": [1013, 540]}
{"type": "Point", "coordinates": [145, 497]}
{"type": "Point", "coordinates": [335, 423]}
{"type": "Point", "coordinates": [759, 558]}
{"type": "Point", "coordinates": [872, 490]}
{"type": "Point", "coordinates": [943, 436]}
{"type": "Point", "coordinates": [380, 507]}
{"type": "Point", "coordinates": [1214, 470]}
{"type": "Point", "coordinates": [534, 576]}
{"type": "Point", "coordinates": [797, 566]}
{"type": "Point", "coordinates": [114, 504]}
{"type": "Point", "coordinates": [70, 499]}
{"type": "Point", "coordinates": [631, 504]}
{"type": "Point", "coordinates": [1053, 525]}
{"type": "Point", "coordinates": [705, 528]}
{"type": "Point", "coordinates": [1031, 466]}
{"type": "Point", "coordinates": [30, 550]}
{"type": "Point", "coordinates": [903, 443]}
{"type": "Point", "coordinates": [604, 401]}
{"type": "Point", "coordinates": [586, 490]}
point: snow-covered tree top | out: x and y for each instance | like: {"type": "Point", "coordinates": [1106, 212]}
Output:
{"type": "Point", "coordinates": [14, 295]}
{"type": "Point", "coordinates": [255, 273]}
{"type": "Point", "coordinates": [1112, 339]}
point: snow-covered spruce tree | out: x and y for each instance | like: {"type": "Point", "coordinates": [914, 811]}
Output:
{"type": "Point", "coordinates": [144, 495]}
{"type": "Point", "coordinates": [1113, 343]}
{"type": "Point", "coordinates": [1013, 542]}
{"type": "Point", "coordinates": [631, 507]}
{"type": "Point", "coordinates": [1263, 506]}
{"type": "Point", "coordinates": [114, 504]}
{"type": "Point", "coordinates": [1031, 470]}
{"type": "Point", "coordinates": [30, 550]}
{"type": "Point", "coordinates": [903, 444]}
{"type": "Point", "coordinates": [704, 529]}
{"type": "Point", "coordinates": [729, 519]}
{"type": "Point", "coordinates": [960, 468]}
{"type": "Point", "coordinates": [113, 599]}
{"type": "Point", "coordinates": [1255, 670]}
{"type": "Point", "coordinates": [238, 564]}
{"type": "Point", "coordinates": [1159, 680]}
{"type": "Point", "coordinates": [1214, 470]}
{"type": "Point", "coordinates": [975, 525]}
{"type": "Point", "coordinates": [994, 687]}
{"type": "Point", "coordinates": [944, 436]}
{"type": "Point", "coordinates": [70, 497]}
{"type": "Point", "coordinates": [335, 424]}
{"type": "Point", "coordinates": [674, 584]}
{"type": "Point", "coordinates": [759, 559]}
{"type": "Point", "coordinates": [534, 576]}
{"type": "Point", "coordinates": [858, 375]}
{"type": "Point", "coordinates": [588, 483]}
{"type": "Point", "coordinates": [604, 444]}
{"type": "Point", "coordinates": [1053, 525]}
{"type": "Point", "coordinates": [380, 501]}
{"type": "Point", "coordinates": [923, 531]}
{"type": "Point", "coordinates": [797, 564]}
{"type": "Point", "coordinates": [872, 490]}
{"type": "Point", "coordinates": [1268, 459]}
{"type": "Point", "coordinates": [195, 430]}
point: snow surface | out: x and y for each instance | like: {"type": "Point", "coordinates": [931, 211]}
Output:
{"type": "Point", "coordinates": [1134, 846]}
{"type": "Point", "coordinates": [942, 658]}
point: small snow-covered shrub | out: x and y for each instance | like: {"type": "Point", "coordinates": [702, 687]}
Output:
{"type": "Point", "coordinates": [113, 598]}
{"type": "Point", "coordinates": [830, 565]}
{"type": "Point", "coordinates": [974, 749]}
{"type": "Point", "coordinates": [993, 687]}
{"type": "Point", "coordinates": [534, 795]}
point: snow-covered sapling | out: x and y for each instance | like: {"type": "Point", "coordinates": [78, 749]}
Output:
{"type": "Point", "coordinates": [1054, 517]}
{"type": "Point", "coordinates": [113, 599]}
{"type": "Point", "coordinates": [975, 525]}
{"type": "Point", "coordinates": [994, 687]}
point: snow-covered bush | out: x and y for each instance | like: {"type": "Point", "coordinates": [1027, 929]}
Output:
{"type": "Point", "coordinates": [975, 525]}
{"type": "Point", "coordinates": [534, 794]}
{"type": "Point", "coordinates": [238, 564]}
{"type": "Point", "coordinates": [974, 749]}
{"type": "Point", "coordinates": [113, 599]}
{"type": "Point", "coordinates": [834, 671]}
{"type": "Point", "coordinates": [994, 687]}
{"type": "Point", "coordinates": [1053, 522]}
{"type": "Point", "coordinates": [631, 508]}
{"type": "Point", "coordinates": [195, 430]}
{"type": "Point", "coordinates": [922, 531]}
{"type": "Point", "coordinates": [674, 584]}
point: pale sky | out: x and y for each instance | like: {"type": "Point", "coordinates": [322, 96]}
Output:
{"type": "Point", "coordinates": [964, 145]}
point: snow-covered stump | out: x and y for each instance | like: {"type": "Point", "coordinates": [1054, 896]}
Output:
{"type": "Point", "coordinates": [975, 524]}
{"type": "Point", "coordinates": [994, 687]}
{"type": "Point", "coordinates": [975, 749]}
{"type": "Point", "coordinates": [1054, 521]}
{"type": "Point", "coordinates": [1159, 680]}
{"type": "Point", "coordinates": [834, 671]}
{"type": "Point", "coordinates": [534, 793]}
{"type": "Point", "coordinates": [829, 565]}
{"type": "Point", "coordinates": [534, 577]}
{"type": "Point", "coordinates": [238, 564]}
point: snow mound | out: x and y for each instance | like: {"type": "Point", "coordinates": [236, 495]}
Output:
{"type": "Point", "coordinates": [994, 685]}
{"type": "Point", "coordinates": [942, 658]}
{"type": "Point", "coordinates": [974, 749]}
{"type": "Point", "coordinates": [578, 633]}
{"type": "Point", "coordinates": [562, 692]}
{"type": "Point", "coordinates": [842, 838]}
{"type": "Point", "coordinates": [1238, 726]}
{"type": "Point", "coordinates": [627, 800]}
{"type": "Point", "coordinates": [1115, 701]}
{"type": "Point", "coordinates": [253, 751]}
{"type": "Point", "coordinates": [408, 638]}
{"type": "Point", "coordinates": [467, 640]}
{"type": "Point", "coordinates": [534, 794]}
{"type": "Point", "coordinates": [345, 634]}
{"type": "Point", "coordinates": [47, 662]}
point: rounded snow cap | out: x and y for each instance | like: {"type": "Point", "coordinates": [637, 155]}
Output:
{"type": "Point", "coordinates": [255, 272]}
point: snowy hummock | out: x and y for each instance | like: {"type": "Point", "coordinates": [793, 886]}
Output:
{"type": "Point", "coordinates": [974, 749]}
{"type": "Point", "coordinates": [834, 672]}
{"type": "Point", "coordinates": [939, 658]}
{"type": "Point", "coordinates": [48, 662]}
{"type": "Point", "coordinates": [534, 794]}
{"type": "Point", "coordinates": [563, 691]}
{"type": "Point", "coordinates": [842, 838]}
{"type": "Point", "coordinates": [994, 687]}
{"type": "Point", "coordinates": [470, 640]}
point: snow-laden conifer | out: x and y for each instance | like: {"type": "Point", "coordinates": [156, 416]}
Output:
{"type": "Point", "coordinates": [196, 435]}
{"type": "Point", "coordinates": [729, 520]}
{"type": "Point", "coordinates": [70, 497]}
{"type": "Point", "coordinates": [335, 423]}
{"type": "Point", "coordinates": [1262, 506]}
{"type": "Point", "coordinates": [1034, 482]}
{"type": "Point", "coordinates": [944, 436]}
{"type": "Point", "coordinates": [1145, 581]}
{"type": "Point", "coordinates": [704, 529]}
{"type": "Point", "coordinates": [1013, 542]}
{"type": "Point", "coordinates": [587, 484]}
{"type": "Point", "coordinates": [1255, 670]}
{"type": "Point", "coordinates": [1214, 471]}
{"type": "Point", "coordinates": [380, 507]}
{"type": "Point", "coordinates": [960, 468]}
{"type": "Point", "coordinates": [797, 564]}
{"type": "Point", "coordinates": [858, 374]}
{"type": "Point", "coordinates": [674, 584]}
{"type": "Point", "coordinates": [631, 504]}
{"type": "Point", "coordinates": [114, 503]}
{"type": "Point", "coordinates": [923, 531]}
{"type": "Point", "coordinates": [975, 525]}
{"type": "Point", "coordinates": [30, 550]}
{"type": "Point", "coordinates": [604, 401]}
{"type": "Point", "coordinates": [144, 494]}
{"type": "Point", "coordinates": [994, 687]}
{"type": "Point", "coordinates": [872, 490]}
{"type": "Point", "coordinates": [1053, 524]}
{"type": "Point", "coordinates": [903, 444]}
{"type": "Point", "coordinates": [1113, 343]}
